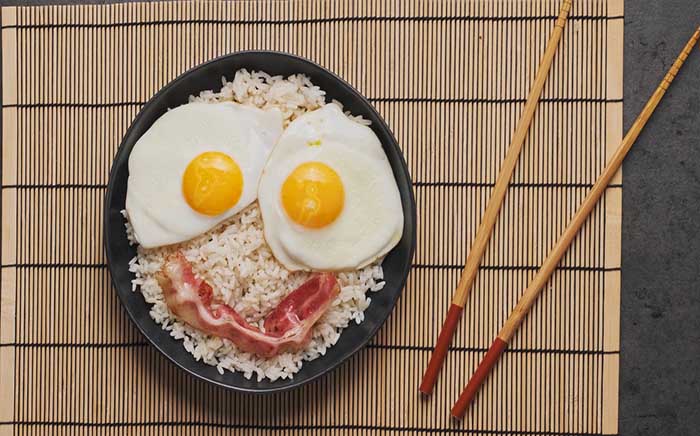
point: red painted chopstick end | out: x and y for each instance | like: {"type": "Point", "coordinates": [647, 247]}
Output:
{"type": "Point", "coordinates": [478, 378]}
{"type": "Point", "coordinates": [438, 356]}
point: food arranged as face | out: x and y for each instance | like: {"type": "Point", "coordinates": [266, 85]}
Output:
{"type": "Point", "coordinates": [328, 202]}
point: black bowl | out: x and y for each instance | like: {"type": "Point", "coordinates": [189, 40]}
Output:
{"type": "Point", "coordinates": [208, 76]}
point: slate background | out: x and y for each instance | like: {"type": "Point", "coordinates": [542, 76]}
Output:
{"type": "Point", "coordinates": [660, 331]}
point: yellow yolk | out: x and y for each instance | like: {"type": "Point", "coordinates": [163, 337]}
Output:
{"type": "Point", "coordinates": [313, 195]}
{"type": "Point", "coordinates": [212, 183]}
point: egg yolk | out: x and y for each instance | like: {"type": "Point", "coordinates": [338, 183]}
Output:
{"type": "Point", "coordinates": [313, 195]}
{"type": "Point", "coordinates": [212, 183]}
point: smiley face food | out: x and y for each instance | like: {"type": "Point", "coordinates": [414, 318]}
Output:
{"type": "Point", "coordinates": [260, 215]}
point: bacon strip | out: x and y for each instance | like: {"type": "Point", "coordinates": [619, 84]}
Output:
{"type": "Point", "coordinates": [287, 327]}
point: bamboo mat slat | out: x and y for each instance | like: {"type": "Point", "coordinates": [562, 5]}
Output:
{"type": "Point", "coordinates": [450, 77]}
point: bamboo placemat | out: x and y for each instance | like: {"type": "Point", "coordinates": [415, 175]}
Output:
{"type": "Point", "coordinates": [450, 77]}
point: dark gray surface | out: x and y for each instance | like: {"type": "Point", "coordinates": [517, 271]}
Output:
{"type": "Point", "coordinates": [660, 359]}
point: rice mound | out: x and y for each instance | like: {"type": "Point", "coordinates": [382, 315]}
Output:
{"type": "Point", "coordinates": [235, 259]}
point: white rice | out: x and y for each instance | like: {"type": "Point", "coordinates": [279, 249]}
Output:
{"type": "Point", "coordinates": [293, 95]}
{"type": "Point", "coordinates": [235, 259]}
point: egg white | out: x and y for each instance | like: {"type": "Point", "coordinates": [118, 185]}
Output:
{"type": "Point", "coordinates": [155, 205]}
{"type": "Point", "coordinates": [371, 222]}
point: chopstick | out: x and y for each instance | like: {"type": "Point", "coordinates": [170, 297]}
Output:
{"type": "Point", "coordinates": [550, 264]}
{"type": "Point", "coordinates": [498, 193]}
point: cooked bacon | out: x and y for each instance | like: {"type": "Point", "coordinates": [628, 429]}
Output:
{"type": "Point", "coordinates": [287, 327]}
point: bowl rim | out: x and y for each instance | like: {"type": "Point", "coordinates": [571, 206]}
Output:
{"type": "Point", "coordinates": [107, 227]}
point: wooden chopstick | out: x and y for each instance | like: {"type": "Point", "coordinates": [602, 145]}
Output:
{"type": "Point", "coordinates": [494, 205]}
{"type": "Point", "coordinates": [535, 288]}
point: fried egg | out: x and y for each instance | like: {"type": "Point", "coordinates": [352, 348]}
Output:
{"type": "Point", "coordinates": [196, 166]}
{"type": "Point", "coordinates": [328, 196]}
